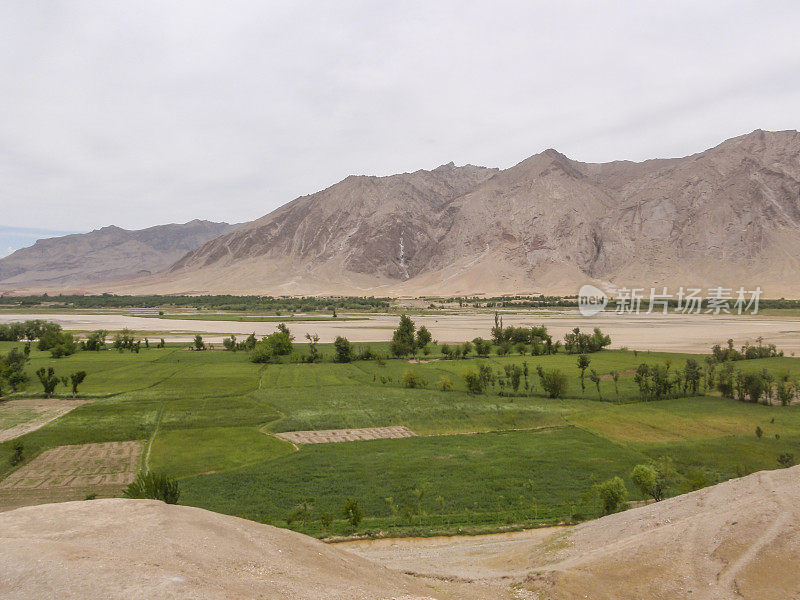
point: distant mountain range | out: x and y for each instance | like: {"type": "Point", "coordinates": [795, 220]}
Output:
{"type": "Point", "coordinates": [727, 216]}
{"type": "Point", "coordinates": [104, 255]}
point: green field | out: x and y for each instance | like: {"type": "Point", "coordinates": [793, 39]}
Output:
{"type": "Point", "coordinates": [480, 462]}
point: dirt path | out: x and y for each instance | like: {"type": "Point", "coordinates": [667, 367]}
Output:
{"type": "Point", "coordinates": [18, 417]}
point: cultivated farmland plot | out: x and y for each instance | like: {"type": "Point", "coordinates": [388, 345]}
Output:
{"type": "Point", "coordinates": [18, 417]}
{"type": "Point", "coordinates": [254, 440]}
{"type": "Point", "coordinates": [326, 436]}
{"type": "Point", "coordinates": [72, 472]}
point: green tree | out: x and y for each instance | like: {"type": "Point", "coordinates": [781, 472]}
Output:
{"type": "Point", "coordinates": [96, 340]}
{"type": "Point", "coordinates": [553, 382]}
{"type": "Point", "coordinates": [280, 342]}
{"type": "Point", "coordinates": [583, 364]}
{"type": "Point", "coordinates": [615, 379]}
{"type": "Point", "coordinates": [48, 379]}
{"type": "Point", "coordinates": [653, 479]}
{"type": "Point", "coordinates": [313, 351]}
{"type": "Point", "coordinates": [612, 493]}
{"type": "Point", "coordinates": [644, 478]}
{"type": "Point", "coordinates": [423, 337]}
{"type": "Point", "coordinates": [595, 379]}
{"type": "Point", "coordinates": [403, 339]}
{"type": "Point", "coordinates": [199, 344]}
{"type": "Point", "coordinates": [692, 375]}
{"type": "Point", "coordinates": [230, 343]}
{"type": "Point", "coordinates": [75, 380]}
{"type": "Point", "coordinates": [482, 346]}
{"type": "Point", "coordinates": [445, 383]}
{"type": "Point", "coordinates": [473, 382]}
{"type": "Point", "coordinates": [343, 350]}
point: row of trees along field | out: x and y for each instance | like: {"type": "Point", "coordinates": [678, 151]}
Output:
{"type": "Point", "coordinates": [13, 377]}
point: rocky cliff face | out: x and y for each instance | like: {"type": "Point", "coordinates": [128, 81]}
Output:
{"type": "Point", "coordinates": [382, 226]}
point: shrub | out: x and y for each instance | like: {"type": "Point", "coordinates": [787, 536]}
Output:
{"type": "Point", "coordinates": [412, 379]}
{"type": "Point", "coordinates": [344, 350]}
{"type": "Point", "coordinates": [473, 382]}
{"type": "Point", "coordinates": [445, 383]}
{"type": "Point", "coordinates": [786, 460]}
{"type": "Point", "coordinates": [612, 493]}
{"type": "Point", "coordinates": [156, 486]}
{"type": "Point", "coordinates": [482, 346]}
{"type": "Point", "coordinates": [352, 511]}
{"type": "Point", "coordinates": [553, 381]}
{"type": "Point", "coordinates": [644, 478]}
{"type": "Point", "coordinates": [18, 455]}
{"type": "Point", "coordinates": [261, 353]}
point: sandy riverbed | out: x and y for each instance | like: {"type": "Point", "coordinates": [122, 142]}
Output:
{"type": "Point", "coordinates": [687, 333]}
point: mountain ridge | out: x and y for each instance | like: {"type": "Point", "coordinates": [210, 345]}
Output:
{"type": "Point", "coordinates": [106, 254]}
{"type": "Point", "coordinates": [728, 215]}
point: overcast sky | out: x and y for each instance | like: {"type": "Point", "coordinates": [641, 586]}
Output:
{"type": "Point", "coordinates": [140, 113]}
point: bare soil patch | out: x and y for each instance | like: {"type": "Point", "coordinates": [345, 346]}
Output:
{"type": "Point", "coordinates": [71, 473]}
{"type": "Point", "coordinates": [143, 549]}
{"type": "Point", "coordinates": [327, 436]}
{"type": "Point", "coordinates": [18, 417]}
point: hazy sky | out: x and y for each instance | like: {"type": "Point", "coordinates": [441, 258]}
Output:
{"type": "Point", "coordinates": [140, 113]}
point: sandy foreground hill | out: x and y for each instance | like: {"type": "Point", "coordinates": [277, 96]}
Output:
{"type": "Point", "coordinates": [739, 539]}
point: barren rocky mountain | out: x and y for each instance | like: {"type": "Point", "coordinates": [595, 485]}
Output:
{"type": "Point", "coordinates": [104, 255]}
{"type": "Point", "coordinates": [739, 539]}
{"type": "Point", "coordinates": [727, 216]}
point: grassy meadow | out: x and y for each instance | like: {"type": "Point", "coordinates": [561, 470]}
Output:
{"type": "Point", "coordinates": [480, 462]}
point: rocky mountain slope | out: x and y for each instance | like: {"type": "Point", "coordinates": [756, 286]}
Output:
{"type": "Point", "coordinates": [727, 216]}
{"type": "Point", "coordinates": [105, 255]}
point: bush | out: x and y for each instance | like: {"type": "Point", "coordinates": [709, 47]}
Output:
{"type": "Point", "coordinates": [644, 477]}
{"type": "Point", "coordinates": [445, 383]}
{"type": "Point", "coordinates": [18, 454]}
{"type": "Point", "coordinates": [553, 381]}
{"type": "Point", "coordinates": [261, 353]}
{"type": "Point", "coordinates": [482, 346]}
{"type": "Point", "coordinates": [473, 381]}
{"type": "Point", "coordinates": [156, 486]}
{"type": "Point", "coordinates": [344, 350]}
{"type": "Point", "coordinates": [612, 493]}
{"type": "Point", "coordinates": [412, 379]}
{"type": "Point", "coordinates": [352, 511]}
